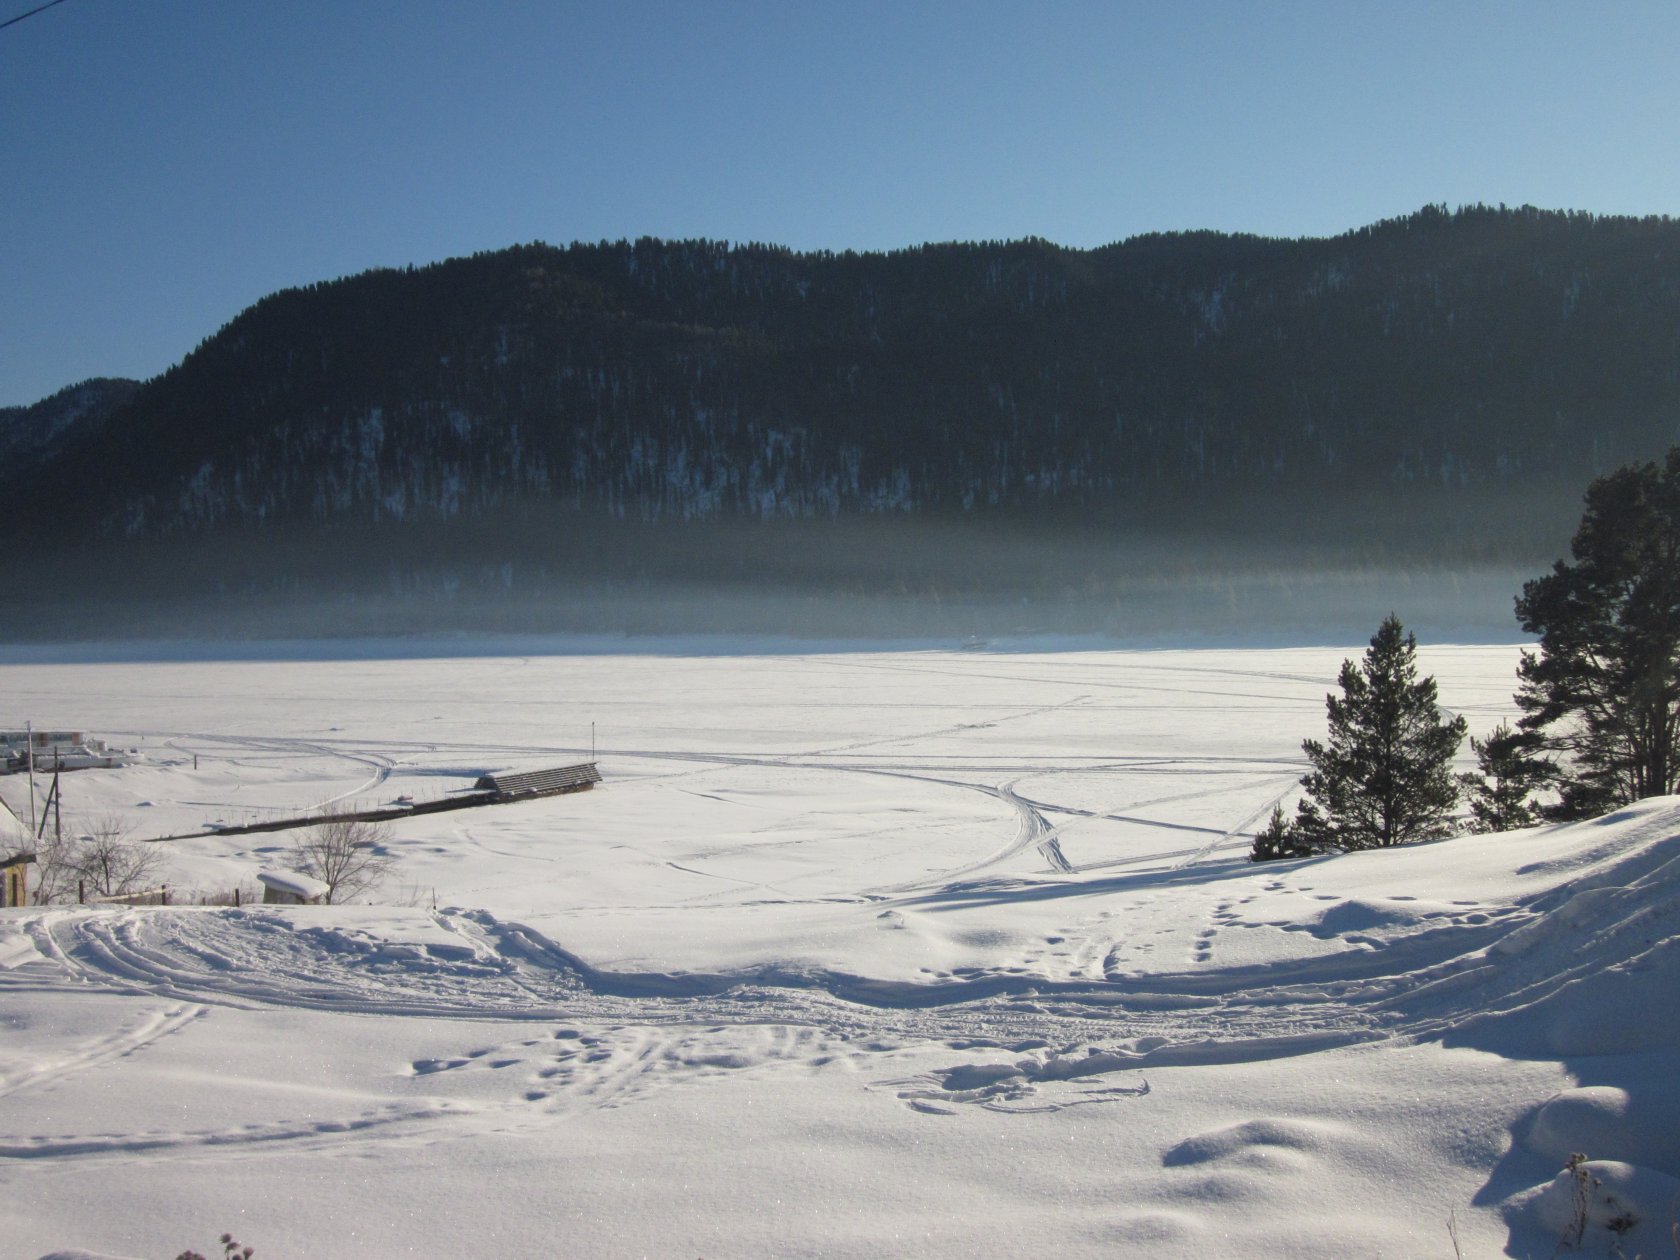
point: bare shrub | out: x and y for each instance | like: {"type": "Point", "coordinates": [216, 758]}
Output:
{"type": "Point", "coordinates": [1581, 1188]}
{"type": "Point", "coordinates": [100, 862]}
{"type": "Point", "coordinates": [346, 854]}
{"type": "Point", "coordinates": [55, 876]}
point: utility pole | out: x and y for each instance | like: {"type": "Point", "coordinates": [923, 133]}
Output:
{"type": "Point", "coordinates": [29, 760]}
{"type": "Point", "coordinates": [47, 808]}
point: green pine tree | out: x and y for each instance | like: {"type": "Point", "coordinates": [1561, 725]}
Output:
{"type": "Point", "coordinates": [1279, 839]}
{"type": "Point", "coordinates": [1508, 773]}
{"type": "Point", "coordinates": [1603, 691]}
{"type": "Point", "coordinates": [1384, 775]}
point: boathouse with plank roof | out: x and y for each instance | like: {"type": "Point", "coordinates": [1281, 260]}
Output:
{"type": "Point", "coordinates": [509, 785]}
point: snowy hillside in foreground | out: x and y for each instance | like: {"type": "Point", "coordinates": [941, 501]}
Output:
{"type": "Point", "coordinates": [853, 954]}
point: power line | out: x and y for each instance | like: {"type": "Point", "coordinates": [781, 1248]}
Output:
{"type": "Point", "coordinates": [14, 21]}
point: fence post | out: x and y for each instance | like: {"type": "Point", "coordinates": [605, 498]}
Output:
{"type": "Point", "coordinates": [81, 892]}
{"type": "Point", "coordinates": [163, 895]}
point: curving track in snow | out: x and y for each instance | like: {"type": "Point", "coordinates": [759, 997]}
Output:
{"type": "Point", "coordinates": [581, 1038]}
{"type": "Point", "coordinates": [151, 1027]}
{"type": "Point", "coordinates": [469, 965]}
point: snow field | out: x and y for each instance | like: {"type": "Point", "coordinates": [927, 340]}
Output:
{"type": "Point", "coordinates": [884, 953]}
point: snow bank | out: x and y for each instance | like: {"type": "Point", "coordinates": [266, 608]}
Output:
{"type": "Point", "coordinates": [1607, 1120]}
{"type": "Point", "coordinates": [1604, 1203]}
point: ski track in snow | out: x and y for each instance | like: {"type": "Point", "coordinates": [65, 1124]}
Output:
{"type": "Point", "coordinates": [151, 1027]}
{"type": "Point", "coordinates": [380, 765]}
{"type": "Point", "coordinates": [220, 1143]}
{"type": "Point", "coordinates": [621, 1034]}
{"type": "Point", "coordinates": [1035, 830]}
{"type": "Point", "coordinates": [580, 1039]}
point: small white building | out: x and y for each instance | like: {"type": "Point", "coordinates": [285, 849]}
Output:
{"type": "Point", "coordinates": [291, 888]}
{"type": "Point", "coordinates": [46, 742]}
{"type": "Point", "coordinates": [61, 750]}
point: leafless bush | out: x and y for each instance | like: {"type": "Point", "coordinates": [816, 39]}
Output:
{"type": "Point", "coordinates": [99, 862]}
{"type": "Point", "coordinates": [55, 878]}
{"type": "Point", "coordinates": [346, 854]}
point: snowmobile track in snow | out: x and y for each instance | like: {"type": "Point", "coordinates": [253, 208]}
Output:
{"type": "Point", "coordinates": [472, 966]}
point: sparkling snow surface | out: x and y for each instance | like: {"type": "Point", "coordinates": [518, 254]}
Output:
{"type": "Point", "coordinates": [852, 954]}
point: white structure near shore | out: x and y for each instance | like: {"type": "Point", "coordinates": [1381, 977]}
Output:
{"type": "Point", "coordinates": [59, 750]}
{"type": "Point", "coordinates": [292, 888]}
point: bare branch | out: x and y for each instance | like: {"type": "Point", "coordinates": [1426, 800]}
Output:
{"type": "Point", "coordinates": [346, 854]}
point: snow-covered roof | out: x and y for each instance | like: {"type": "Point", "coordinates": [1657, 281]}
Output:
{"type": "Point", "coordinates": [293, 882]}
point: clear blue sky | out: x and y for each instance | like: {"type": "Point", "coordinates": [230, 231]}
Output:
{"type": "Point", "coordinates": [164, 163]}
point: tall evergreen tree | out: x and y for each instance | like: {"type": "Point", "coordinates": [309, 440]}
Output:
{"type": "Point", "coordinates": [1509, 770]}
{"type": "Point", "coordinates": [1384, 775]}
{"type": "Point", "coordinates": [1604, 688]}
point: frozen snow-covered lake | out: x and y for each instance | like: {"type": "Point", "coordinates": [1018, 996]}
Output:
{"type": "Point", "coordinates": [854, 952]}
{"type": "Point", "coordinates": [757, 807]}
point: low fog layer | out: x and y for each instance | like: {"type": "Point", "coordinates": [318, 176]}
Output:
{"type": "Point", "coordinates": [878, 578]}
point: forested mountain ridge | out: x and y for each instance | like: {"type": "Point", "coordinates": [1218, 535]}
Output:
{"type": "Point", "coordinates": [30, 437]}
{"type": "Point", "coordinates": [653, 380]}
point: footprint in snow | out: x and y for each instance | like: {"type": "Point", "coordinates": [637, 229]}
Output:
{"type": "Point", "coordinates": [425, 1067]}
{"type": "Point", "coordinates": [1036, 1083]}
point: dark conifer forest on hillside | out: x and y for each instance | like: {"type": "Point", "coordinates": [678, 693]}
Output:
{"type": "Point", "coordinates": [1177, 430]}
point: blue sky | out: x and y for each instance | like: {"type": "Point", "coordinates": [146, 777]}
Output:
{"type": "Point", "coordinates": [165, 163]}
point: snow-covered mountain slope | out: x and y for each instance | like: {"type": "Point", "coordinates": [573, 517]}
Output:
{"type": "Point", "coordinates": [867, 954]}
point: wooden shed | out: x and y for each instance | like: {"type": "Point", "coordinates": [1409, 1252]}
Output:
{"type": "Point", "coordinates": [14, 880]}
{"type": "Point", "coordinates": [507, 785]}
